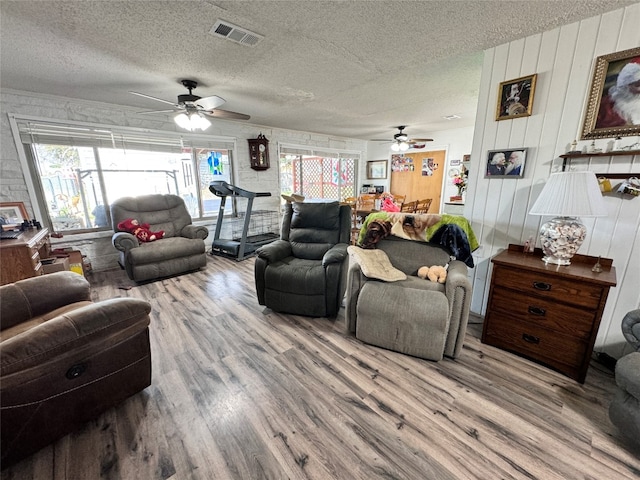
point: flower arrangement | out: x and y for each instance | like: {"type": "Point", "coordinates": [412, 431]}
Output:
{"type": "Point", "coordinates": [460, 182]}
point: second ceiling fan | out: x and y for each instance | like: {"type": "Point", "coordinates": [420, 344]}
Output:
{"type": "Point", "coordinates": [402, 142]}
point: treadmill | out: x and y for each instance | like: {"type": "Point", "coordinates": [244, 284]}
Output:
{"type": "Point", "coordinates": [244, 246]}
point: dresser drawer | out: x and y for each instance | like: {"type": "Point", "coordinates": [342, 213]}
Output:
{"type": "Point", "coordinates": [35, 257]}
{"type": "Point", "coordinates": [552, 288]}
{"type": "Point", "coordinates": [562, 352]}
{"type": "Point", "coordinates": [541, 312]}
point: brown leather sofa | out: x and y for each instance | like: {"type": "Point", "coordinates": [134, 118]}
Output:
{"type": "Point", "coordinates": [64, 359]}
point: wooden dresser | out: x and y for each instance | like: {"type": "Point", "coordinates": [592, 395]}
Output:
{"type": "Point", "coordinates": [20, 258]}
{"type": "Point", "coordinates": [547, 313]}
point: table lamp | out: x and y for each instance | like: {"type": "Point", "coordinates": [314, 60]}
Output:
{"type": "Point", "coordinates": [566, 196]}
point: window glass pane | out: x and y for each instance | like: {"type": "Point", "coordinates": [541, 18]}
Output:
{"type": "Point", "coordinates": [320, 177]}
{"type": "Point", "coordinates": [58, 166]}
{"type": "Point", "coordinates": [213, 165]}
{"type": "Point", "coordinates": [73, 178]}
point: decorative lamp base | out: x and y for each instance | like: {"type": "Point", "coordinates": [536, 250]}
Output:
{"type": "Point", "coordinates": [561, 238]}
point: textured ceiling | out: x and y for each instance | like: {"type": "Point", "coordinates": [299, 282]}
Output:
{"type": "Point", "coordinates": [345, 68]}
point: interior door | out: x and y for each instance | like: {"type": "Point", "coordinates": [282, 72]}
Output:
{"type": "Point", "coordinates": [419, 176]}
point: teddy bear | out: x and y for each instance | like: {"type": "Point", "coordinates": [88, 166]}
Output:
{"type": "Point", "coordinates": [141, 231]}
{"type": "Point", "coordinates": [436, 273]}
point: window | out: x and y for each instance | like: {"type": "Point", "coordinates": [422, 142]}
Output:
{"type": "Point", "coordinates": [80, 170]}
{"type": "Point", "coordinates": [317, 173]}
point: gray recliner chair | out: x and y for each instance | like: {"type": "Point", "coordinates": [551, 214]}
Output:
{"type": "Point", "coordinates": [181, 250]}
{"type": "Point", "coordinates": [413, 316]}
{"type": "Point", "coordinates": [624, 410]}
{"type": "Point", "coordinates": [304, 272]}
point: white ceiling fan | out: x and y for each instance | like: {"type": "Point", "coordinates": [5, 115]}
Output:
{"type": "Point", "coordinates": [402, 142]}
{"type": "Point", "coordinates": [193, 109]}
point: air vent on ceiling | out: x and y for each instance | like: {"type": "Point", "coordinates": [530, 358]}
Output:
{"type": "Point", "coordinates": [235, 34]}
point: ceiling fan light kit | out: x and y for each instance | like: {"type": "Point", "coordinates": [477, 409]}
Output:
{"type": "Point", "coordinates": [400, 146]}
{"type": "Point", "coordinates": [192, 121]}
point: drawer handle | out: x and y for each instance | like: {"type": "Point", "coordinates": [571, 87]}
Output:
{"type": "Point", "coordinates": [545, 287]}
{"type": "Point", "coordinates": [530, 338]}
{"type": "Point", "coordinates": [540, 312]}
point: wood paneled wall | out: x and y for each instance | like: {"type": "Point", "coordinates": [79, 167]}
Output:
{"type": "Point", "coordinates": [563, 58]}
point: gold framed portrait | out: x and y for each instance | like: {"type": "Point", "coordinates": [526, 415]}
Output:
{"type": "Point", "coordinates": [613, 107]}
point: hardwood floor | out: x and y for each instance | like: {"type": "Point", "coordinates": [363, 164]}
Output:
{"type": "Point", "coordinates": [243, 393]}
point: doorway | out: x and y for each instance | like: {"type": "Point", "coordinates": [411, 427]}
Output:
{"type": "Point", "coordinates": [419, 176]}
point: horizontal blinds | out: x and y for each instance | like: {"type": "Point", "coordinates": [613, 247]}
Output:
{"type": "Point", "coordinates": [118, 138]}
{"type": "Point", "coordinates": [316, 152]}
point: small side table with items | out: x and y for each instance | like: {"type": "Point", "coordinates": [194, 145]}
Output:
{"type": "Point", "coordinates": [547, 313]}
{"type": "Point", "coordinates": [21, 256]}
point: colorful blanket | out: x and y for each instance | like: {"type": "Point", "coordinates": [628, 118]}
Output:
{"type": "Point", "coordinates": [450, 231]}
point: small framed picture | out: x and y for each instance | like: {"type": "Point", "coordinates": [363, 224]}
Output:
{"type": "Point", "coordinates": [515, 97]}
{"type": "Point", "coordinates": [12, 214]}
{"type": "Point", "coordinates": [377, 169]}
{"type": "Point", "coordinates": [611, 108]}
{"type": "Point", "coordinates": [507, 163]}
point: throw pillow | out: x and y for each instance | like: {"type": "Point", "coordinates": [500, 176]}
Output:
{"type": "Point", "coordinates": [375, 264]}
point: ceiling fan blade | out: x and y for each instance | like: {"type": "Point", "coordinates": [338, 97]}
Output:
{"type": "Point", "coordinates": [380, 140]}
{"type": "Point", "coordinates": [210, 103]}
{"type": "Point", "coordinates": [227, 114]}
{"type": "Point", "coordinates": [419, 140]}
{"type": "Point", "coordinates": [153, 98]}
{"type": "Point", "coordinates": [150, 112]}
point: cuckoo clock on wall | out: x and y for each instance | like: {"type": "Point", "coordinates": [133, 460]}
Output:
{"type": "Point", "coordinates": [259, 152]}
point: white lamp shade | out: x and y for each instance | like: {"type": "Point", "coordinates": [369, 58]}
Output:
{"type": "Point", "coordinates": [570, 194]}
{"type": "Point", "coordinates": [395, 147]}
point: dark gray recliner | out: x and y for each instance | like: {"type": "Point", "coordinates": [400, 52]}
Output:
{"type": "Point", "coordinates": [181, 250]}
{"type": "Point", "coordinates": [304, 272]}
{"type": "Point", "coordinates": [624, 410]}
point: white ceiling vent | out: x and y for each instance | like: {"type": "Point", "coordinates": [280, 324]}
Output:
{"type": "Point", "coordinates": [235, 34]}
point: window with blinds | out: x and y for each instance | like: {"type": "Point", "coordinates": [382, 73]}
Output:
{"type": "Point", "coordinates": [318, 173]}
{"type": "Point", "coordinates": [80, 169]}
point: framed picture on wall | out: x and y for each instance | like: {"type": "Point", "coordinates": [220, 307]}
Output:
{"type": "Point", "coordinates": [508, 163]}
{"type": "Point", "coordinates": [612, 108]}
{"type": "Point", "coordinates": [377, 169]}
{"type": "Point", "coordinates": [515, 97]}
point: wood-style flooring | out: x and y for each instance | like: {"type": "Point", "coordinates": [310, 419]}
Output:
{"type": "Point", "coordinates": [240, 392]}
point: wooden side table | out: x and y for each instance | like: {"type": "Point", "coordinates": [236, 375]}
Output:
{"type": "Point", "coordinates": [547, 313]}
{"type": "Point", "coordinates": [20, 258]}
